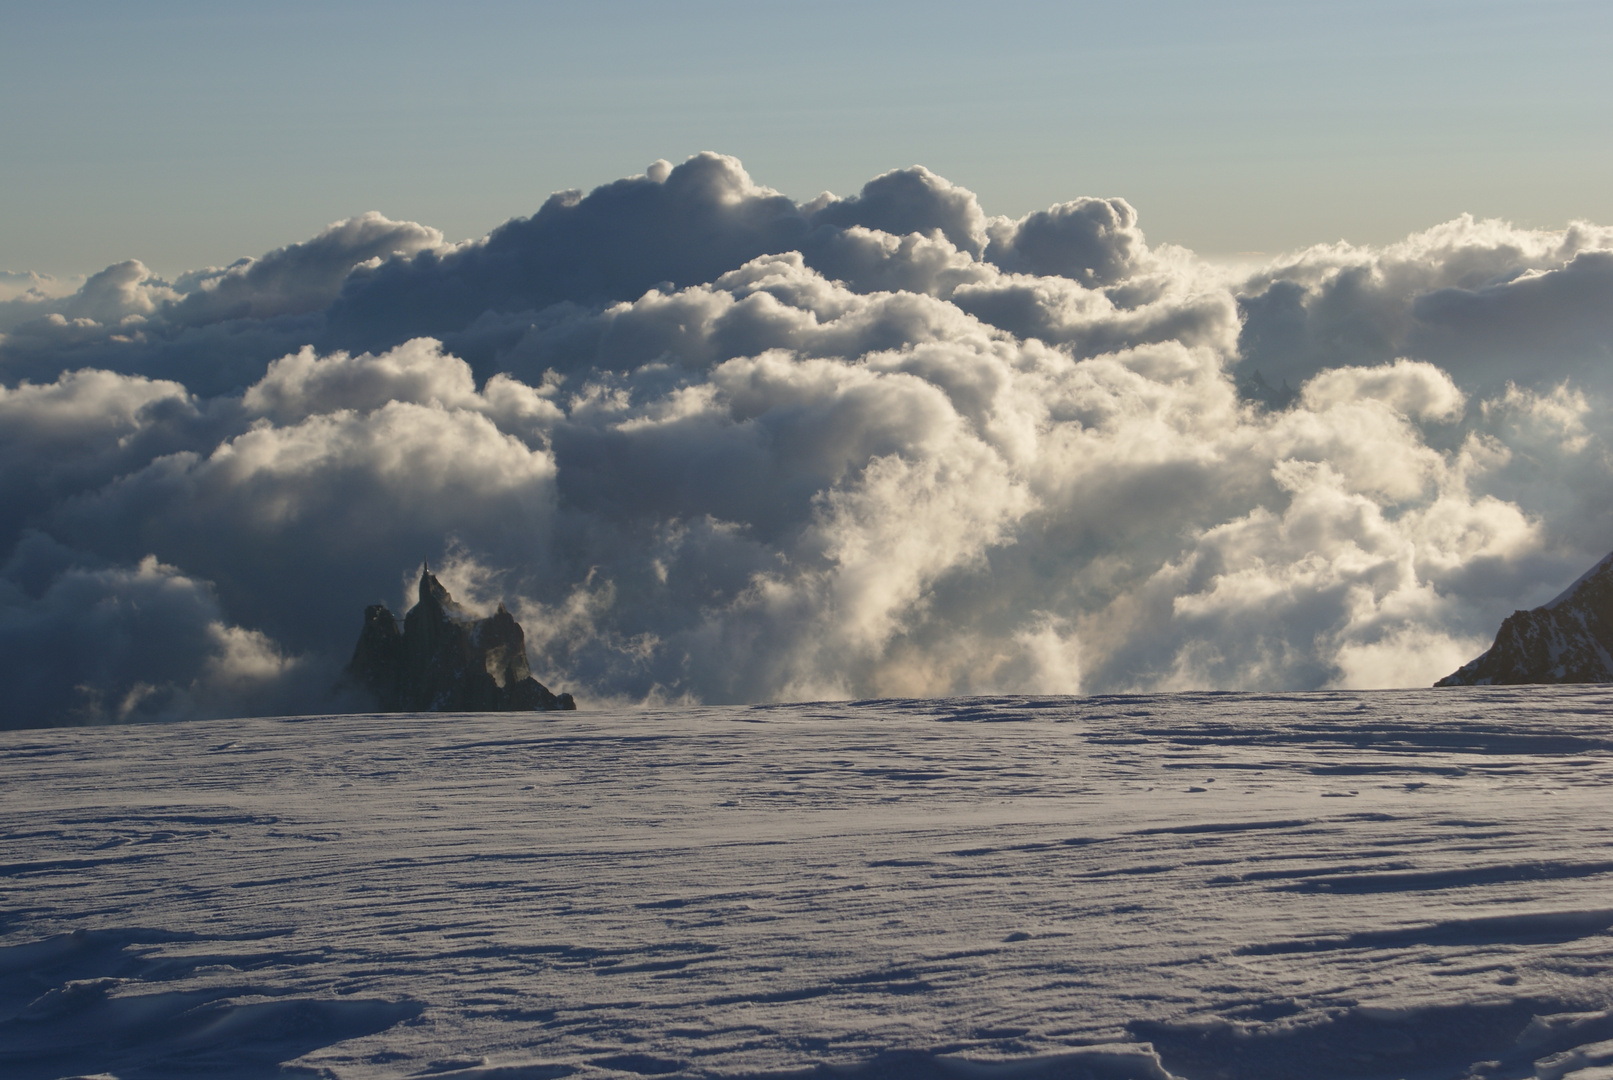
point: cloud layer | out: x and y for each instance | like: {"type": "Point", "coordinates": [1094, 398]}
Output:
{"type": "Point", "coordinates": [710, 444]}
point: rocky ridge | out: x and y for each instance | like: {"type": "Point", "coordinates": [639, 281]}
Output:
{"type": "Point", "coordinates": [443, 659]}
{"type": "Point", "coordinates": [1566, 640]}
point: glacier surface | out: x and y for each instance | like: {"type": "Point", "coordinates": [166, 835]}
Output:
{"type": "Point", "coordinates": [1239, 886]}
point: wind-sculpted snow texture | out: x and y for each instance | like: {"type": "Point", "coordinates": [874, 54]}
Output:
{"type": "Point", "coordinates": [716, 445]}
{"type": "Point", "coordinates": [1335, 886]}
{"type": "Point", "coordinates": [1568, 640]}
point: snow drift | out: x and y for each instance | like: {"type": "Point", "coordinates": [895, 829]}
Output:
{"type": "Point", "coordinates": [1329, 886]}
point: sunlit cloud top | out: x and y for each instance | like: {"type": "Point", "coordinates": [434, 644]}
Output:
{"type": "Point", "coordinates": [713, 443]}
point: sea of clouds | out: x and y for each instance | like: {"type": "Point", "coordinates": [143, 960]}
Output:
{"type": "Point", "coordinates": [711, 444]}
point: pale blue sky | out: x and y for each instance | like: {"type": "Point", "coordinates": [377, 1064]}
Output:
{"type": "Point", "coordinates": [185, 133]}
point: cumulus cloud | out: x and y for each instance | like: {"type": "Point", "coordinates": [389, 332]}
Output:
{"type": "Point", "coordinates": [135, 642]}
{"type": "Point", "coordinates": [213, 328]}
{"type": "Point", "coordinates": [1484, 300]}
{"type": "Point", "coordinates": [710, 444]}
{"type": "Point", "coordinates": [300, 277]}
{"type": "Point", "coordinates": [1091, 241]}
{"type": "Point", "coordinates": [31, 285]}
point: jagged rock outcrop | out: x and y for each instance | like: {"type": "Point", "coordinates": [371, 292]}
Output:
{"type": "Point", "coordinates": [1568, 640]}
{"type": "Point", "coordinates": [445, 660]}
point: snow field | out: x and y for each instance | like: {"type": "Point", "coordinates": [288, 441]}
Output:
{"type": "Point", "coordinates": [1349, 885]}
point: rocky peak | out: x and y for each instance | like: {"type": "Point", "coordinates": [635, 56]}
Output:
{"type": "Point", "coordinates": [446, 660]}
{"type": "Point", "coordinates": [434, 599]}
{"type": "Point", "coordinates": [1568, 639]}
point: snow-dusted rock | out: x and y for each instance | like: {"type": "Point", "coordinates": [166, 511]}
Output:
{"type": "Point", "coordinates": [443, 660]}
{"type": "Point", "coordinates": [1568, 640]}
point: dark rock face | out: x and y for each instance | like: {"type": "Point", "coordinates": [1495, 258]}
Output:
{"type": "Point", "coordinates": [443, 660]}
{"type": "Point", "coordinates": [1569, 640]}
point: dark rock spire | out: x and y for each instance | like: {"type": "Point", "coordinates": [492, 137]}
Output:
{"type": "Point", "coordinates": [444, 660]}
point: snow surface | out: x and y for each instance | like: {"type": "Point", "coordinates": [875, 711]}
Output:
{"type": "Point", "coordinates": [1392, 884]}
